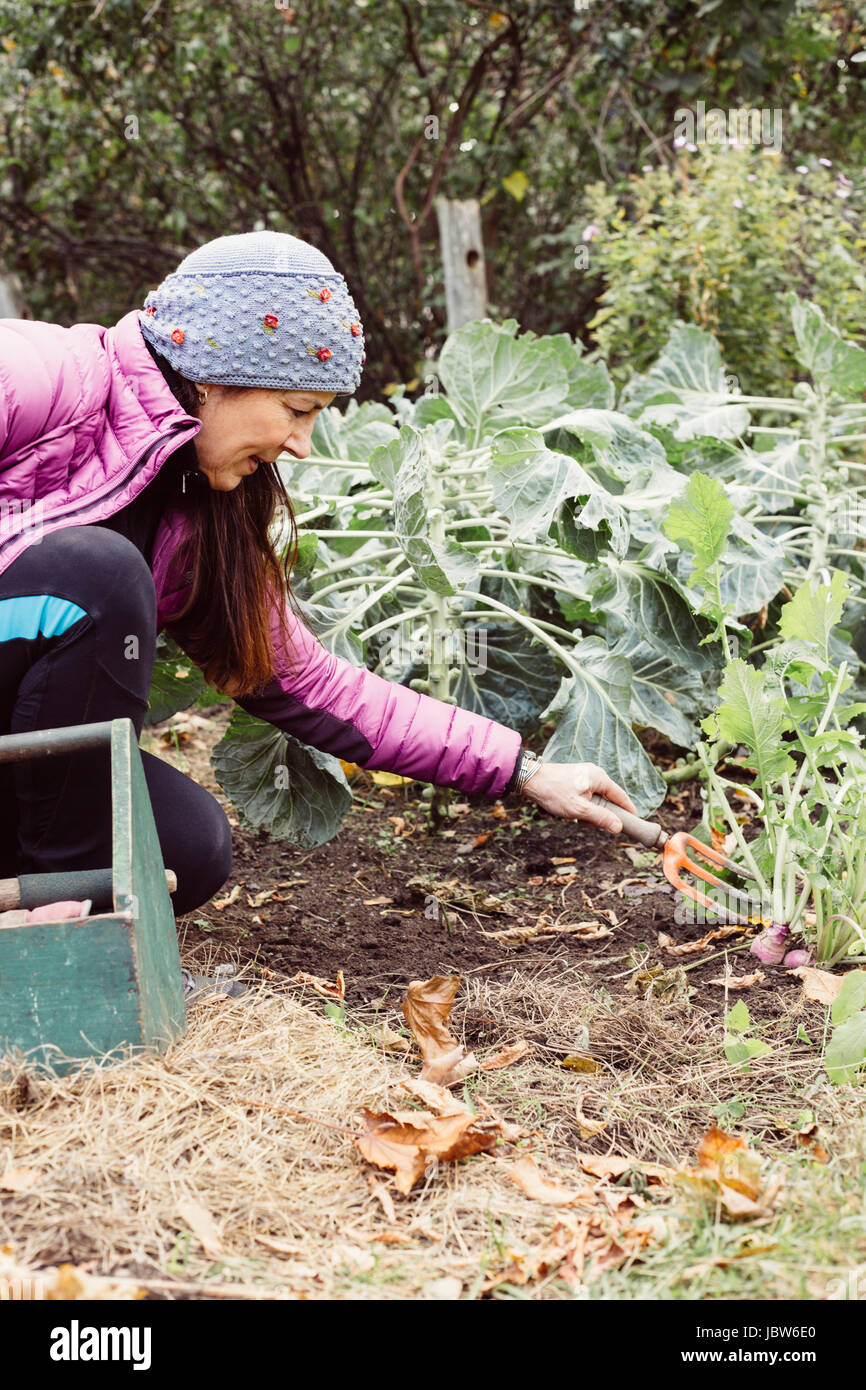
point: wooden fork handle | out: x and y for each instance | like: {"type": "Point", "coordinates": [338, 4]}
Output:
{"type": "Point", "coordinates": [646, 832]}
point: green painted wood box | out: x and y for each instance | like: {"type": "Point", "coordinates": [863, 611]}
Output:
{"type": "Point", "coordinates": [110, 983]}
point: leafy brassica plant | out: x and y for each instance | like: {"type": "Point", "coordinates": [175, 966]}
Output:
{"type": "Point", "coordinates": [512, 542]}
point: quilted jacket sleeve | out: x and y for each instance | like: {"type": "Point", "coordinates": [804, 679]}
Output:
{"type": "Point", "coordinates": [347, 710]}
{"type": "Point", "coordinates": [351, 712]}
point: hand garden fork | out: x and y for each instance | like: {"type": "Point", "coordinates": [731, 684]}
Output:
{"type": "Point", "coordinates": [675, 857]}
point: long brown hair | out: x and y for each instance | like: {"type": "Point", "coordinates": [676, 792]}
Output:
{"type": "Point", "coordinates": [237, 574]}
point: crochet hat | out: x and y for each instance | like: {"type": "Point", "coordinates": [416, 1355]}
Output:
{"type": "Point", "coordinates": [258, 309]}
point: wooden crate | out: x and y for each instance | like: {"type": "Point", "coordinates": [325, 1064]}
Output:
{"type": "Point", "coordinates": [109, 984]}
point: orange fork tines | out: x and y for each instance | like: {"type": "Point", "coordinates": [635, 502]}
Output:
{"type": "Point", "coordinates": [676, 857]}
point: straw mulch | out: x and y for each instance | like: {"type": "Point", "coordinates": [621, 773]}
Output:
{"type": "Point", "coordinates": [182, 1176]}
{"type": "Point", "coordinates": [167, 1174]}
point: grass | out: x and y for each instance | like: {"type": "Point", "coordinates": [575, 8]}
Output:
{"type": "Point", "coordinates": [286, 1207]}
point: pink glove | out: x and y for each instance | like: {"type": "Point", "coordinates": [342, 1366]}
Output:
{"type": "Point", "coordinates": [59, 912]}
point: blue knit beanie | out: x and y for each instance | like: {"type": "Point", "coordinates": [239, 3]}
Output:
{"type": "Point", "coordinates": [258, 309]}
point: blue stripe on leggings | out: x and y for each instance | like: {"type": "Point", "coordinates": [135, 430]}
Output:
{"type": "Point", "coordinates": [37, 613]}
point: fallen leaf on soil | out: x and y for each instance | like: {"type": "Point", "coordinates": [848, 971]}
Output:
{"type": "Point", "coordinates": [588, 1128]}
{"type": "Point", "coordinates": [576, 1063]}
{"type": "Point", "coordinates": [614, 1165]}
{"type": "Point", "coordinates": [388, 1038]}
{"type": "Point", "coordinates": [531, 1181]}
{"type": "Point", "coordinates": [450, 1067]}
{"type": "Point", "coordinates": [454, 893]}
{"type": "Point", "coordinates": [220, 903]}
{"type": "Point", "coordinates": [562, 859]}
{"type": "Point", "coordinates": [256, 899]}
{"type": "Point", "coordinates": [201, 1223]}
{"type": "Point", "coordinates": [18, 1179]}
{"type": "Point", "coordinates": [807, 1138]}
{"type": "Point", "coordinates": [390, 779]}
{"type": "Point", "coordinates": [437, 1097]}
{"type": "Point", "coordinates": [325, 987]}
{"type": "Point", "coordinates": [427, 1009]}
{"type": "Point", "coordinates": [408, 1147]}
{"type": "Point", "coordinates": [671, 985]}
{"type": "Point", "coordinates": [509, 1054]}
{"type": "Point", "coordinates": [819, 985]}
{"type": "Point", "coordinates": [469, 845]}
{"type": "Point", "coordinates": [738, 981]}
{"type": "Point", "coordinates": [688, 948]}
{"type": "Point", "coordinates": [401, 827]}
{"type": "Point", "coordinates": [583, 931]}
{"type": "Point", "coordinates": [729, 1174]}
{"type": "Point", "coordinates": [498, 813]}
{"type": "Point", "coordinates": [377, 902]}
{"type": "Point", "coordinates": [349, 769]}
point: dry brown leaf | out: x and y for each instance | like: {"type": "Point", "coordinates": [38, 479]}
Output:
{"type": "Point", "coordinates": [427, 1009]}
{"type": "Point", "coordinates": [407, 1147]}
{"type": "Point", "coordinates": [450, 1068]}
{"type": "Point", "coordinates": [257, 899]}
{"type": "Point", "coordinates": [613, 1166]}
{"type": "Point", "coordinates": [807, 1138]}
{"type": "Point", "coordinates": [397, 1043]}
{"type": "Point", "coordinates": [729, 1176]}
{"type": "Point", "coordinates": [437, 1097]}
{"type": "Point", "coordinates": [511, 1053]}
{"type": "Point", "coordinates": [377, 902]}
{"type": "Point", "coordinates": [574, 1062]}
{"type": "Point", "coordinates": [18, 1179]}
{"type": "Point", "coordinates": [688, 948]}
{"type": "Point", "coordinates": [819, 985]}
{"type": "Point", "coordinates": [588, 1128]}
{"type": "Point", "coordinates": [525, 1173]}
{"type": "Point", "coordinates": [738, 981]}
{"type": "Point", "coordinates": [324, 987]}
{"type": "Point", "coordinates": [220, 903]}
{"type": "Point", "coordinates": [201, 1223]}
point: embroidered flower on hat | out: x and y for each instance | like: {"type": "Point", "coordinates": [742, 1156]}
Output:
{"type": "Point", "coordinates": [322, 353]}
{"type": "Point", "coordinates": [150, 309]}
{"type": "Point", "coordinates": [178, 335]}
{"type": "Point", "coordinates": [269, 323]}
{"type": "Point", "coordinates": [355, 330]}
{"type": "Point", "coordinates": [363, 358]}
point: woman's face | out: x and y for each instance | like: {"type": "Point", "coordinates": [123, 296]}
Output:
{"type": "Point", "coordinates": [239, 427]}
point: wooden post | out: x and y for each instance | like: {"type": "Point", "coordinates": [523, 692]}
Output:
{"type": "Point", "coordinates": [462, 261]}
{"type": "Point", "coordinates": [12, 303]}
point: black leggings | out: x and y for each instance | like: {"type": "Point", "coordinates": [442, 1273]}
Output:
{"type": "Point", "coordinates": [77, 641]}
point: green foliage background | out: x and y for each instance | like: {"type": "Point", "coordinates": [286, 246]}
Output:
{"type": "Point", "coordinates": [133, 130]}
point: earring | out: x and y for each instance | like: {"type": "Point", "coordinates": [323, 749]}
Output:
{"type": "Point", "coordinates": [202, 397]}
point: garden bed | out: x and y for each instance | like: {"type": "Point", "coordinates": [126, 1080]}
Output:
{"type": "Point", "coordinates": [366, 902]}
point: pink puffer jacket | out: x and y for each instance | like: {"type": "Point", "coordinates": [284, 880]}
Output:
{"type": "Point", "coordinates": [86, 422]}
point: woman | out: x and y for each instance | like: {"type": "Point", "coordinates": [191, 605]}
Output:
{"type": "Point", "coordinates": [137, 487]}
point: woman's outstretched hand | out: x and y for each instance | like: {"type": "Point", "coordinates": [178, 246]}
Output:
{"type": "Point", "coordinates": [564, 789]}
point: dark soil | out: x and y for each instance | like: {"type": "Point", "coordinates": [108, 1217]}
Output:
{"type": "Point", "coordinates": [347, 905]}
